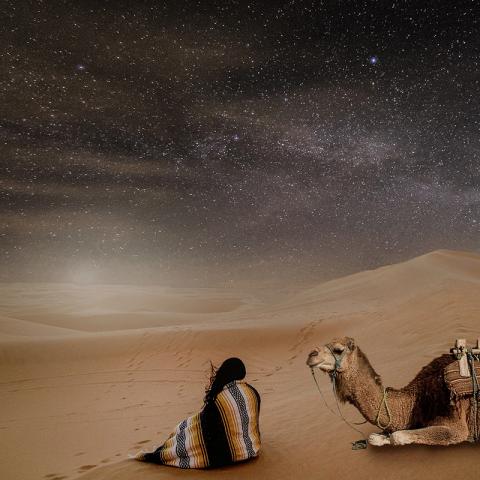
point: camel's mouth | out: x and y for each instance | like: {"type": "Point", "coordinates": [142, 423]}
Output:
{"type": "Point", "coordinates": [325, 367]}
{"type": "Point", "coordinates": [318, 359]}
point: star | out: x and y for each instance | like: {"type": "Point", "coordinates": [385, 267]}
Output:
{"type": "Point", "coordinates": [247, 143]}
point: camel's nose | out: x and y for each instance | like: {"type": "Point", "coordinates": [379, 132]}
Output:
{"type": "Point", "coordinates": [311, 357]}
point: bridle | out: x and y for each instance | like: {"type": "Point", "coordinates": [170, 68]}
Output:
{"type": "Point", "coordinates": [338, 361]}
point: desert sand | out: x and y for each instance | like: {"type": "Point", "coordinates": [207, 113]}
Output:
{"type": "Point", "coordinates": [89, 374]}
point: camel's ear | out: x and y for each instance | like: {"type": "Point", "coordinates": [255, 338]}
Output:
{"type": "Point", "coordinates": [351, 344]}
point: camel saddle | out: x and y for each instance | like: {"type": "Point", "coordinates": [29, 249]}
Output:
{"type": "Point", "coordinates": [459, 375]}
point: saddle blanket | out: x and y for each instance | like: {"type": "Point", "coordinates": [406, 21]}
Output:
{"type": "Point", "coordinates": [460, 386]}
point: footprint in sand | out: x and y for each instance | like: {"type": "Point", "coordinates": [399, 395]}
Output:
{"type": "Point", "coordinates": [55, 476]}
{"type": "Point", "coordinates": [292, 358]}
{"type": "Point", "coordinates": [181, 390]}
{"type": "Point", "coordinates": [141, 442]}
{"type": "Point", "coordinates": [84, 468]}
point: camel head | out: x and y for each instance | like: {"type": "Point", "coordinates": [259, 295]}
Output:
{"type": "Point", "coordinates": [349, 363]}
{"type": "Point", "coordinates": [338, 352]}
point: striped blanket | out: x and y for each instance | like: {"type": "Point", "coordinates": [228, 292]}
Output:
{"type": "Point", "coordinates": [224, 432]}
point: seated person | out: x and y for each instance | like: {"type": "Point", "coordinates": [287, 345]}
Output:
{"type": "Point", "coordinates": [225, 431]}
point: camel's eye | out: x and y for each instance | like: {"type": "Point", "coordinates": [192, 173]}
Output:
{"type": "Point", "coordinates": [338, 350]}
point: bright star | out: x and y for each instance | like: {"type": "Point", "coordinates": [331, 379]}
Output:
{"type": "Point", "coordinates": [373, 60]}
{"type": "Point", "coordinates": [80, 67]}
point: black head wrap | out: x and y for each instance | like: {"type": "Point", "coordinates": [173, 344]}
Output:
{"type": "Point", "coordinates": [230, 370]}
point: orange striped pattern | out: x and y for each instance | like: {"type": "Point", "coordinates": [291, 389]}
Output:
{"type": "Point", "coordinates": [239, 409]}
{"type": "Point", "coordinates": [193, 454]}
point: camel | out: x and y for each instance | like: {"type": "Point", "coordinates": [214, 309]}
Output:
{"type": "Point", "coordinates": [422, 412]}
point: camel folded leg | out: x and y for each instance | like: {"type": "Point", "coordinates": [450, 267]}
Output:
{"type": "Point", "coordinates": [378, 439]}
{"type": "Point", "coordinates": [435, 435]}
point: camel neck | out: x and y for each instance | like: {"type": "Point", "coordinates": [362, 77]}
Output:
{"type": "Point", "coordinates": [366, 395]}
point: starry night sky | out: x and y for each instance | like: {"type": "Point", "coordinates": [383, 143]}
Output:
{"type": "Point", "coordinates": [204, 142]}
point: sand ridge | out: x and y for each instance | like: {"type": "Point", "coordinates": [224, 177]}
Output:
{"type": "Point", "coordinates": [76, 400]}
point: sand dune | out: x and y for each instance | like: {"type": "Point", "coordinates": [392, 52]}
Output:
{"type": "Point", "coordinates": [100, 308]}
{"type": "Point", "coordinates": [89, 374]}
{"type": "Point", "coordinates": [15, 327]}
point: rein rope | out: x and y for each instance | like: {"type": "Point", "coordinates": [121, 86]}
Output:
{"type": "Point", "coordinates": [377, 418]}
{"type": "Point", "coordinates": [328, 406]}
{"type": "Point", "coordinates": [357, 445]}
{"type": "Point", "coordinates": [476, 398]}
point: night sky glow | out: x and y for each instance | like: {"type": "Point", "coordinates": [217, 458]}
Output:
{"type": "Point", "coordinates": [203, 142]}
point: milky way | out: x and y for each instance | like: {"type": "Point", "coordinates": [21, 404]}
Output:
{"type": "Point", "coordinates": [205, 142]}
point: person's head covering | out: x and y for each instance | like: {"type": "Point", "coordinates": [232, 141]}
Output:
{"type": "Point", "coordinates": [230, 370]}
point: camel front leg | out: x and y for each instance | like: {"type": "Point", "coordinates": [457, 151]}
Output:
{"type": "Point", "coordinates": [435, 435]}
{"type": "Point", "coordinates": [378, 439]}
